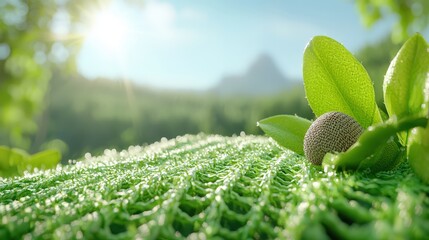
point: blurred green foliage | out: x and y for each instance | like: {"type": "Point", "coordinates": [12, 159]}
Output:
{"type": "Point", "coordinates": [23, 75]}
{"type": "Point", "coordinates": [28, 49]}
{"type": "Point", "coordinates": [14, 162]}
{"type": "Point", "coordinates": [412, 15]}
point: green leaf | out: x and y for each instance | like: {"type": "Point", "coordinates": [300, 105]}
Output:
{"type": "Point", "coordinates": [405, 80]}
{"type": "Point", "coordinates": [335, 81]}
{"type": "Point", "coordinates": [418, 153]}
{"type": "Point", "coordinates": [373, 142]}
{"type": "Point", "coordinates": [43, 160]}
{"type": "Point", "coordinates": [387, 157]}
{"type": "Point", "coordinates": [286, 130]}
{"type": "Point", "coordinates": [10, 160]}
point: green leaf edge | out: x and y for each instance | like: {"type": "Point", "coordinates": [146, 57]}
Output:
{"type": "Point", "coordinates": [392, 84]}
{"type": "Point", "coordinates": [287, 130]}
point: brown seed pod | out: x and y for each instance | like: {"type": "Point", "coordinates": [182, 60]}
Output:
{"type": "Point", "coordinates": [331, 132]}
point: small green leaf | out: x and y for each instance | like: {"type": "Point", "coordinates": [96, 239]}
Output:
{"type": "Point", "coordinates": [47, 159]}
{"type": "Point", "coordinates": [335, 81]}
{"type": "Point", "coordinates": [405, 80]}
{"type": "Point", "coordinates": [287, 130]}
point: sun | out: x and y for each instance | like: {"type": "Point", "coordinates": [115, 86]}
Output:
{"type": "Point", "coordinates": [110, 30]}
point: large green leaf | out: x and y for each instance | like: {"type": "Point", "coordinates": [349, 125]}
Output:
{"type": "Point", "coordinates": [287, 130]}
{"type": "Point", "coordinates": [405, 80]}
{"type": "Point", "coordinates": [406, 92]}
{"type": "Point", "coordinates": [335, 81]}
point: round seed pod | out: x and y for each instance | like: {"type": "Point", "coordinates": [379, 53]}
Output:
{"type": "Point", "coordinates": [331, 132]}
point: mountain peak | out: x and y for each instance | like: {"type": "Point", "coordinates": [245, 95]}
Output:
{"type": "Point", "coordinates": [262, 77]}
{"type": "Point", "coordinates": [263, 60]}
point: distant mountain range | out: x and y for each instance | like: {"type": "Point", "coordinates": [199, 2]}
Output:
{"type": "Point", "coordinates": [261, 78]}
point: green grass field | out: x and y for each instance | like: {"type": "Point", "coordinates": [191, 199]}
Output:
{"type": "Point", "coordinates": [213, 187]}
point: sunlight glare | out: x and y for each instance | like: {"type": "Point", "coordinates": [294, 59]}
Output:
{"type": "Point", "coordinates": [110, 29]}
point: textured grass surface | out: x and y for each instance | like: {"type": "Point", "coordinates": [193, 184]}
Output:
{"type": "Point", "coordinates": [212, 187]}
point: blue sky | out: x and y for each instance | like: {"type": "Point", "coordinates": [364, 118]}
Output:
{"type": "Point", "coordinates": [192, 44]}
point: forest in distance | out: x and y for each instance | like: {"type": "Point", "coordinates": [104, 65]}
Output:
{"type": "Point", "coordinates": [83, 115]}
{"type": "Point", "coordinates": [89, 116]}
